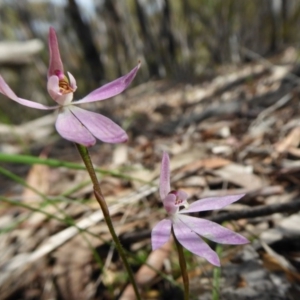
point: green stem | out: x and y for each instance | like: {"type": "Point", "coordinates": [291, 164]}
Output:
{"type": "Point", "coordinates": [216, 276]}
{"type": "Point", "coordinates": [182, 263]}
{"type": "Point", "coordinates": [100, 198]}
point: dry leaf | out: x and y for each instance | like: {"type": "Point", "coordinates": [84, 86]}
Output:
{"type": "Point", "coordinates": [146, 274]}
{"type": "Point", "coordinates": [37, 178]}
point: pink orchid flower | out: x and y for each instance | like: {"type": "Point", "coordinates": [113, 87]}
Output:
{"type": "Point", "coordinates": [73, 123]}
{"type": "Point", "coordinates": [189, 229]}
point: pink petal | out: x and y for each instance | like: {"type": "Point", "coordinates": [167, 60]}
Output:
{"type": "Point", "coordinates": [53, 87]}
{"type": "Point", "coordinates": [161, 233]}
{"type": "Point", "coordinates": [164, 180]}
{"type": "Point", "coordinates": [7, 91]}
{"type": "Point", "coordinates": [191, 241]}
{"type": "Point", "coordinates": [101, 127]}
{"type": "Point", "coordinates": [211, 203]}
{"type": "Point", "coordinates": [71, 129]}
{"type": "Point", "coordinates": [182, 195]}
{"type": "Point", "coordinates": [169, 204]}
{"type": "Point", "coordinates": [55, 63]}
{"type": "Point", "coordinates": [213, 231]}
{"type": "Point", "coordinates": [111, 89]}
{"type": "Point", "coordinates": [54, 91]}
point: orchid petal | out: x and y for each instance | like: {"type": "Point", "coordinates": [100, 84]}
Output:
{"type": "Point", "coordinates": [53, 87]}
{"type": "Point", "coordinates": [72, 82]}
{"type": "Point", "coordinates": [55, 63]}
{"type": "Point", "coordinates": [182, 195]}
{"type": "Point", "coordinates": [110, 89]}
{"type": "Point", "coordinates": [164, 180]}
{"type": "Point", "coordinates": [169, 204]}
{"type": "Point", "coordinates": [101, 127]}
{"type": "Point", "coordinates": [161, 233]}
{"type": "Point", "coordinates": [211, 203]}
{"type": "Point", "coordinates": [69, 127]}
{"type": "Point", "coordinates": [191, 241]}
{"type": "Point", "coordinates": [54, 91]}
{"type": "Point", "coordinates": [213, 231]}
{"type": "Point", "coordinates": [8, 92]}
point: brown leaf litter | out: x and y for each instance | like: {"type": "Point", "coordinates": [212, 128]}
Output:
{"type": "Point", "coordinates": [238, 133]}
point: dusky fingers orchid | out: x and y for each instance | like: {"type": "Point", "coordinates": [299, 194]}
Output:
{"type": "Point", "coordinates": [188, 230]}
{"type": "Point", "coordinates": [73, 123]}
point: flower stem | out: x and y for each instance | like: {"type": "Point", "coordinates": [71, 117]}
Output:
{"type": "Point", "coordinates": [182, 263]}
{"type": "Point", "coordinates": [216, 276]}
{"type": "Point", "coordinates": [101, 200]}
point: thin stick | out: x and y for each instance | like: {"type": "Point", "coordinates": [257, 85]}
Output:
{"type": "Point", "coordinates": [263, 210]}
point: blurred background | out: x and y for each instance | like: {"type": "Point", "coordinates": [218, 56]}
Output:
{"type": "Point", "coordinates": [102, 39]}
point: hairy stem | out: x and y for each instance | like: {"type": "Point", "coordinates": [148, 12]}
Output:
{"type": "Point", "coordinates": [100, 198]}
{"type": "Point", "coordinates": [182, 263]}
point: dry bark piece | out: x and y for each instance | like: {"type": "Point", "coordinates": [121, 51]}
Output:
{"type": "Point", "coordinates": [145, 275]}
{"type": "Point", "coordinates": [240, 175]}
{"type": "Point", "coordinates": [37, 179]}
{"type": "Point", "coordinates": [292, 140]}
{"type": "Point", "coordinates": [13, 52]}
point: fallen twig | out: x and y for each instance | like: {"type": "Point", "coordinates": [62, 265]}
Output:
{"type": "Point", "coordinates": [263, 210]}
{"type": "Point", "coordinates": [259, 211]}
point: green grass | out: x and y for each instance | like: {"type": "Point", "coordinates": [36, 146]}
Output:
{"type": "Point", "coordinates": [217, 276]}
{"type": "Point", "coordinates": [32, 160]}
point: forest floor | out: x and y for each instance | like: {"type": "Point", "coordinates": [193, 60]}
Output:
{"type": "Point", "coordinates": [236, 133]}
